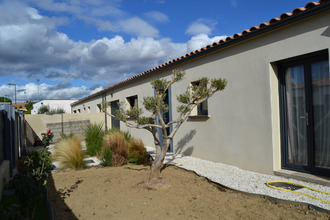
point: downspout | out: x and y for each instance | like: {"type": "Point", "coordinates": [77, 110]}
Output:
{"type": "Point", "coordinates": [104, 99]}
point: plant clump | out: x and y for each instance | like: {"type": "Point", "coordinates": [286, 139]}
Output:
{"type": "Point", "coordinates": [137, 154]}
{"type": "Point", "coordinates": [119, 146]}
{"type": "Point", "coordinates": [123, 149]}
{"type": "Point", "coordinates": [68, 153]}
{"type": "Point", "coordinates": [94, 138]}
{"type": "Point", "coordinates": [30, 185]}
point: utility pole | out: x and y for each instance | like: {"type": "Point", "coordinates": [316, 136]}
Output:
{"type": "Point", "coordinates": [13, 84]}
{"type": "Point", "coordinates": [38, 80]}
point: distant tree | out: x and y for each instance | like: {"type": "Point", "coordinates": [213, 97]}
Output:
{"type": "Point", "coordinates": [29, 106]}
{"type": "Point", "coordinates": [155, 123]}
{"type": "Point", "coordinates": [56, 111]}
{"type": "Point", "coordinates": [4, 99]}
{"type": "Point", "coordinates": [44, 109]}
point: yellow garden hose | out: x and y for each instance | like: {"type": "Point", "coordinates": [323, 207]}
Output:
{"type": "Point", "coordinates": [296, 184]}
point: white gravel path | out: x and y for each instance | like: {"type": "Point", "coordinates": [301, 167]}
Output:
{"type": "Point", "coordinates": [247, 181]}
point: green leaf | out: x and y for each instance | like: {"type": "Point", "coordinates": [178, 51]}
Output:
{"type": "Point", "coordinates": [150, 103]}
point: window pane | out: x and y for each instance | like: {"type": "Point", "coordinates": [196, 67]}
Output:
{"type": "Point", "coordinates": [321, 108]}
{"type": "Point", "coordinates": [296, 116]}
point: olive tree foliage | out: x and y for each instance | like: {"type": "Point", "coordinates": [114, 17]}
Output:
{"type": "Point", "coordinates": [154, 122]}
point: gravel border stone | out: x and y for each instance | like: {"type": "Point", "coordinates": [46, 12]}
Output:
{"type": "Point", "coordinates": [247, 181]}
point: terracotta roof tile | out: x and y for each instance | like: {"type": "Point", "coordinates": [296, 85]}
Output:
{"type": "Point", "coordinates": [254, 28]}
{"type": "Point", "coordinates": [283, 16]}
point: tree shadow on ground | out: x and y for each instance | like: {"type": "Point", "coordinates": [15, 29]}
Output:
{"type": "Point", "coordinates": [56, 199]}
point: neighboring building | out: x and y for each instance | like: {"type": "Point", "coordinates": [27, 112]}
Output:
{"type": "Point", "coordinates": [53, 104]}
{"type": "Point", "coordinates": [20, 106]}
{"type": "Point", "coordinates": [275, 111]}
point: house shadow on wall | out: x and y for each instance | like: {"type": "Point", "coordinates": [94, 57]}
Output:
{"type": "Point", "coordinates": [32, 138]}
{"type": "Point", "coordinates": [57, 200]}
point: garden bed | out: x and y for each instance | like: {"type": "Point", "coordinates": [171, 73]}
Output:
{"type": "Point", "coordinates": [124, 193]}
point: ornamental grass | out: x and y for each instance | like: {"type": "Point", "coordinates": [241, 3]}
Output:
{"type": "Point", "coordinates": [69, 154]}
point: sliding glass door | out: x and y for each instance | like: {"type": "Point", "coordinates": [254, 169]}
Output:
{"type": "Point", "coordinates": [305, 113]}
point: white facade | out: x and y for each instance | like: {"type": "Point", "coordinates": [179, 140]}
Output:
{"type": "Point", "coordinates": [53, 104]}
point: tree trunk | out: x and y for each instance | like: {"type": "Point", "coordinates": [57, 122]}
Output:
{"type": "Point", "coordinates": [159, 158]}
{"type": "Point", "coordinates": [155, 170]}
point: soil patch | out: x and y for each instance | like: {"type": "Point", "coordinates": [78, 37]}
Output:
{"type": "Point", "coordinates": [125, 193]}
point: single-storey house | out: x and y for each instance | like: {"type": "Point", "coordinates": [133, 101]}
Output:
{"type": "Point", "coordinates": [275, 111]}
{"type": "Point", "coordinates": [53, 105]}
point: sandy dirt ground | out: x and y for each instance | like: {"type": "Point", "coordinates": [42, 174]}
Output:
{"type": "Point", "coordinates": [125, 193]}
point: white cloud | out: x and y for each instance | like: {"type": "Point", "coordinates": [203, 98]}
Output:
{"type": "Point", "coordinates": [138, 27]}
{"type": "Point", "coordinates": [31, 48]}
{"type": "Point", "coordinates": [33, 13]}
{"type": "Point", "coordinates": [157, 16]}
{"type": "Point", "coordinates": [32, 91]}
{"type": "Point", "coordinates": [201, 40]}
{"type": "Point", "coordinates": [201, 26]}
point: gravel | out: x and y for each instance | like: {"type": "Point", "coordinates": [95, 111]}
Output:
{"type": "Point", "coordinates": [247, 181]}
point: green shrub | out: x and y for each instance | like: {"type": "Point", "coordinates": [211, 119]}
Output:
{"type": "Point", "coordinates": [30, 183]}
{"type": "Point", "coordinates": [119, 145]}
{"type": "Point", "coordinates": [69, 154]}
{"type": "Point", "coordinates": [94, 138]}
{"type": "Point", "coordinates": [44, 109]}
{"type": "Point", "coordinates": [106, 157]}
{"type": "Point", "coordinates": [136, 152]}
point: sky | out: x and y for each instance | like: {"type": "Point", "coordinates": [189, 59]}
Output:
{"type": "Point", "coordinates": [69, 49]}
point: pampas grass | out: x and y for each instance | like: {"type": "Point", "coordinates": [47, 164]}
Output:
{"type": "Point", "coordinates": [69, 154]}
{"type": "Point", "coordinates": [119, 145]}
{"type": "Point", "coordinates": [136, 151]}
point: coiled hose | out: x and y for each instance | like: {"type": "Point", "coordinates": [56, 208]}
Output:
{"type": "Point", "coordinates": [296, 184]}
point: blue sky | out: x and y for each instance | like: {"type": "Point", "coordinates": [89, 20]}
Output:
{"type": "Point", "coordinates": [78, 47]}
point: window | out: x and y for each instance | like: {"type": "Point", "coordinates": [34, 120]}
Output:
{"type": "Point", "coordinates": [74, 111]}
{"type": "Point", "coordinates": [201, 109]}
{"type": "Point", "coordinates": [89, 109]}
{"type": "Point", "coordinates": [132, 101]}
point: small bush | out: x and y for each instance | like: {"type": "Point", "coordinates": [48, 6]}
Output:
{"type": "Point", "coordinates": [136, 152]}
{"type": "Point", "coordinates": [69, 154]}
{"type": "Point", "coordinates": [106, 157]}
{"type": "Point", "coordinates": [44, 109]}
{"type": "Point", "coordinates": [118, 144]}
{"type": "Point", "coordinates": [94, 138]}
{"type": "Point", "coordinates": [126, 134]}
{"type": "Point", "coordinates": [30, 183]}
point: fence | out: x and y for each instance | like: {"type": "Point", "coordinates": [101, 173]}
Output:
{"type": "Point", "coordinates": [11, 140]}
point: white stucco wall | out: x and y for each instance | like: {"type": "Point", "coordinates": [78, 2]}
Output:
{"type": "Point", "coordinates": [53, 104]}
{"type": "Point", "coordinates": [243, 128]}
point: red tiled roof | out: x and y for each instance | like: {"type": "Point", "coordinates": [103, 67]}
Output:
{"type": "Point", "coordinates": [207, 48]}
{"type": "Point", "coordinates": [322, 82]}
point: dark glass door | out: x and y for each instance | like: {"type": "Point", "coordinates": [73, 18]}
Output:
{"type": "Point", "coordinates": [115, 123]}
{"type": "Point", "coordinates": [305, 113]}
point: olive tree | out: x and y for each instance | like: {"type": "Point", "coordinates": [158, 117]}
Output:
{"type": "Point", "coordinates": [154, 122]}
